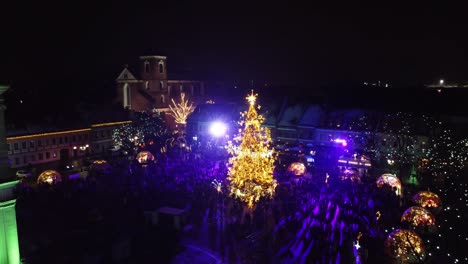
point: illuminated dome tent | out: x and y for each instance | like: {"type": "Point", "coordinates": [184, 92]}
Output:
{"type": "Point", "coordinates": [427, 199]}
{"type": "Point", "coordinates": [297, 168]}
{"type": "Point", "coordinates": [405, 246]}
{"type": "Point", "coordinates": [418, 217]}
{"type": "Point", "coordinates": [391, 180]}
{"type": "Point", "coordinates": [144, 157]}
{"type": "Point", "coordinates": [49, 177]}
{"type": "Point", "coordinates": [100, 166]}
{"type": "Point", "coordinates": [350, 174]}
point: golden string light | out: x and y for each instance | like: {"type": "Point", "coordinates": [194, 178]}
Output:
{"type": "Point", "coordinates": [251, 168]}
{"type": "Point", "coordinates": [180, 111]}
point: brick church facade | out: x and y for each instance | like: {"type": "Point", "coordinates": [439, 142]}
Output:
{"type": "Point", "coordinates": [151, 90]}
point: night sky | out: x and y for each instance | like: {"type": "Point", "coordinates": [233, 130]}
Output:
{"type": "Point", "coordinates": [82, 46]}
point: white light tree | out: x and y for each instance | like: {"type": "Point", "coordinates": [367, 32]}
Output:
{"type": "Point", "coordinates": [180, 111]}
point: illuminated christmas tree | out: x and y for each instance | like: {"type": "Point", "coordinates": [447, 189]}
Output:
{"type": "Point", "coordinates": [252, 163]}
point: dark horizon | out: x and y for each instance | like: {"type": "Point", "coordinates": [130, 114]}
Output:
{"type": "Point", "coordinates": [50, 43]}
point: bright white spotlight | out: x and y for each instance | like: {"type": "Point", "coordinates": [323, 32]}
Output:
{"type": "Point", "coordinates": [218, 129]}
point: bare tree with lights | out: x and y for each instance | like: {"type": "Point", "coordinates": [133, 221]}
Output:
{"type": "Point", "coordinates": [180, 111]}
{"type": "Point", "coordinates": [251, 168]}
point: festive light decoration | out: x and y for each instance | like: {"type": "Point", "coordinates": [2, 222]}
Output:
{"type": "Point", "coordinates": [49, 177]}
{"type": "Point", "coordinates": [144, 157]}
{"type": "Point", "coordinates": [418, 217]}
{"type": "Point", "coordinates": [180, 111]}
{"type": "Point", "coordinates": [251, 167]}
{"type": "Point", "coordinates": [427, 199]}
{"type": "Point", "coordinates": [391, 180]}
{"type": "Point", "coordinates": [405, 246]}
{"type": "Point", "coordinates": [297, 168]}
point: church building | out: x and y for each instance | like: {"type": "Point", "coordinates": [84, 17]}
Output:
{"type": "Point", "coordinates": [151, 90]}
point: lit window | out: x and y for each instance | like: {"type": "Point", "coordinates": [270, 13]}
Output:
{"type": "Point", "coordinates": [147, 85]}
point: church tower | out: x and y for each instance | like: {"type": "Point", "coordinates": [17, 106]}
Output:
{"type": "Point", "coordinates": [154, 68]}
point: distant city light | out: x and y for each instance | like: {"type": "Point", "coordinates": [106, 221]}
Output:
{"type": "Point", "coordinates": [218, 129]}
{"type": "Point", "coordinates": [441, 82]}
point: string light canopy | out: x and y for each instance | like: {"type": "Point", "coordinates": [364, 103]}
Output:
{"type": "Point", "coordinates": [418, 217]}
{"type": "Point", "coordinates": [49, 177]}
{"type": "Point", "coordinates": [251, 166]}
{"type": "Point", "coordinates": [390, 180]}
{"type": "Point", "coordinates": [144, 157]}
{"type": "Point", "coordinates": [405, 246]}
{"type": "Point", "coordinates": [297, 168]}
{"type": "Point", "coordinates": [427, 199]}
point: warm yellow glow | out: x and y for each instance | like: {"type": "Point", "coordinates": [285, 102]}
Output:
{"type": "Point", "coordinates": [49, 177]}
{"type": "Point", "coordinates": [391, 180]}
{"type": "Point", "coordinates": [49, 134]}
{"type": "Point", "coordinates": [252, 163]}
{"type": "Point", "coordinates": [111, 124]}
{"type": "Point", "coordinates": [182, 110]}
{"type": "Point", "coordinates": [406, 246]}
{"type": "Point", "coordinates": [100, 166]}
{"type": "Point", "coordinates": [67, 131]}
{"type": "Point", "coordinates": [252, 98]}
{"type": "Point", "coordinates": [297, 168]}
{"type": "Point", "coordinates": [418, 216]}
{"type": "Point", "coordinates": [427, 199]}
{"type": "Point", "coordinates": [144, 156]}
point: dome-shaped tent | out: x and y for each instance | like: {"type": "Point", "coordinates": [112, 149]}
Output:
{"type": "Point", "coordinates": [350, 174]}
{"type": "Point", "coordinates": [144, 157]}
{"type": "Point", "coordinates": [427, 199]}
{"type": "Point", "coordinates": [390, 180]}
{"type": "Point", "coordinates": [405, 246]}
{"type": "Point", "coordinates": [297, 168]}
{"type": "Point", "coordinates": [100, 166]}
{"type": "Point", "coordinates": [49, 177]}
{"type": "Point", "coordinates": [418, 217]}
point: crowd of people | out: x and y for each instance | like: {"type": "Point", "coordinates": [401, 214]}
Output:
{"type": "Point", "coordinates": [318, 220]}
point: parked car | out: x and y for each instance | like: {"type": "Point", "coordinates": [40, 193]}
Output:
{"type": "Point", "coordinates": [23, 174]}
